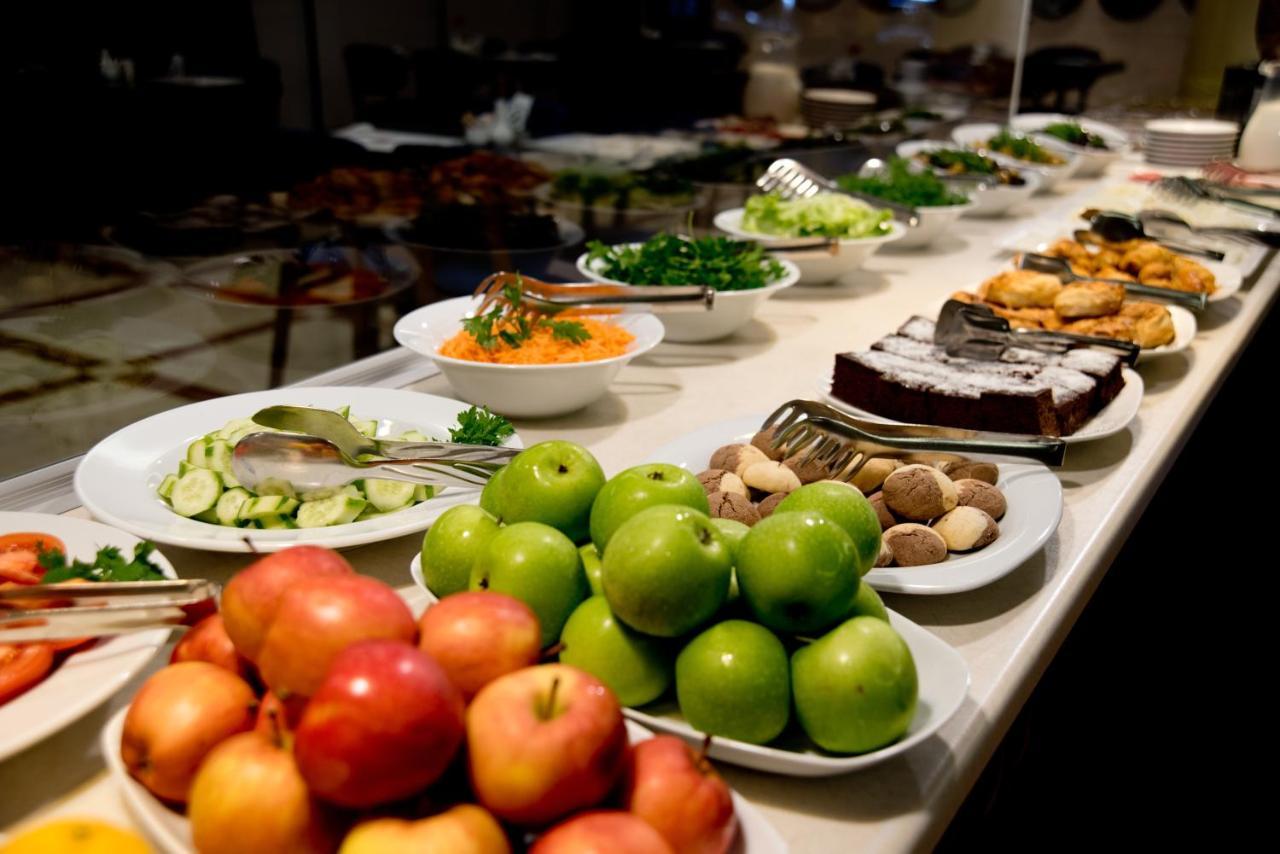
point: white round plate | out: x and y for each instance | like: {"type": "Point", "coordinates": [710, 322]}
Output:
{"type": "Point", "coordinates": [116, 481]}
{"type": "Point", "coordinates": [85, 679]}
{"type": "Point", "coordinates": [1035, 508]}
{"type": "Point", "coordinates": [1184, 332]}
{"type": "Point", "coordinates": [1114, 417]}
{"type": "Point", "coordinates": [975, 136]}
{"type": "Point", "coordinates": [816, 266]}
{"type": "Point", "coordinates": [1191, 127]}
{"type": "Point", "coordinates": [519, 391]}
{"type": "Point", "coordinates": [170, 830]}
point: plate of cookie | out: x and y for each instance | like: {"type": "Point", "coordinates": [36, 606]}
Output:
{"type": "Point", "coordinates": [948, 525]}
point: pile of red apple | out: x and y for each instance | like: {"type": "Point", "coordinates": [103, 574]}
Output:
{"type": "Point", "coordinates": [315, 714]}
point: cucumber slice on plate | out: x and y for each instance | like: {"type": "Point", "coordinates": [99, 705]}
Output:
{"type": "Point", "coordinates": [267, 505]}
{"type": "Point", "coordinates": [195, 492]}
{"type": "Point", "coordinates": [336, 510]}
{"type": "Point", "coordinates": [422, 492]}
{"type": "Point", "coordinates": [388, 495]}
{"type": "Point", "coordinates": [196, 452]}
{"type": "Point", "coordinates": [366, 427]}
{"type": "Point", "coordinates": [229, 506]}
{"type": "Point", "coordinates": [217, 455]}
{"type": "Point", "coordinates": [344, 410]}
{"type": "Point", "coordinates": [273, 486]}
{"type": "Point", "coordinates": [268, 523]}
{"type": "Point", "coordinates": [165, 489]}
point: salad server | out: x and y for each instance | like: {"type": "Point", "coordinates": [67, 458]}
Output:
{"type": "Point", "coordinates": [550, 299]}
{"type": "Point", "coordinates": [102, 608]}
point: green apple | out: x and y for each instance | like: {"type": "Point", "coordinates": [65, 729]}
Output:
{"type": "Point", "coordinates": [636, 667]}
{"type": "Point", "coordinates": [631, 491]}
{"type": "Point", "coordinates": [553, 483]}
{"type": "Point", "coordinates": [592, 566]}
{"type": "Point", "coordinates": [733, 680]}
{"type": "Point", "coordinates": [666, 570]}
{"type": "Point", "coordinates": [855, 687]}
{"type": "Point", "coordinates": [451, 546]}
{"type": "Point", "coordinates": [796, 572]}
{"type": "Point", "coordinates": [847, 507]}
{"type": "Point", "coordinates": [734, 532]}
{"type": "Point", "coordinates": [538, 565]}
{"type": "Point", "coordinates": [867, 603]}
{"type": "Point", "coordinates": [489, 495]}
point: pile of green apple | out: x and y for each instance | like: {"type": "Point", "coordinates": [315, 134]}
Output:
{"type": "Point", "coordinates": [315, 713]}
{"type": "Point", "coordinates": [642, 589]}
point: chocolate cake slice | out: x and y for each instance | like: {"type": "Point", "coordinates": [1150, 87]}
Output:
{"type": "Point", "coordinates": [907, 377]}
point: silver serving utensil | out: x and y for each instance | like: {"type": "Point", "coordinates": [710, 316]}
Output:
{"type": "Point", "coordinates": [974, 331]}
{"type": "Point", "coordinates": [103, 608]}
{"type": "Point", "coordinates": [1117, 227]}
{"type": "Point", "coordinates": [548, 298]}
{"type": "Point", "coordinates": [844, 443]}
{"type": "Point", "coordinates": [1156, 220]}
{"type": "Point", "coordinates": [790, 180]}
{"type": "Point", "coordinates": [1182, 187]}
{"type": "Point", "coordinates": [328, 424]}
{"type": "Point", "coordinates": [1062, 269]}
{"type": "Point", "coordinates": [313, 464]}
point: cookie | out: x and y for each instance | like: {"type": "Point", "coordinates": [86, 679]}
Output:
{"type": "Point", "coordinates": [980, 494]}
{"type": "Point", "coordinates": [919, 492]}
{"type": "Point", "coordinates": [966, 529]}
{"type": "Point", "coordinates": [913, 544]}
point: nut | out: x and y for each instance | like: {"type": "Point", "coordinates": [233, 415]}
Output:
{"type": "Point", "coordinates": [729, 505]}
{"type": "Point", "coordinates": [986, 472]}
{"type": "Point", "coordinates": [967, 528]}
{"type": "Point", "coordinates": [810, 472]}
{"type": "Point", "coordinates": [919, 492]}
{"type": "Point", "coordinates": [886, 554]}
{"type": "Point", "coordinates": [770, 503]}
{"type": "Point", "coordinates": [719, 480]}
{"type": "Point", "coordinates": [764, 442]}
{"type": "Point", "coordinates": [978, 493]}
{"type": "Point", "coordinates": [913, 544]}
{"type": "Point", "coordinates": [886, 518]}
{"type": "Point", "coordinates": [769, 476]}
{"type": "Point", "coordinates": [874, 473]}
{"type": "Point", "coordinates": [736, 458]}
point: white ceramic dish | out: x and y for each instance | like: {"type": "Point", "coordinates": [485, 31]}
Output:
{"type": "Point", "coordinates": [975, 136]}
{"type": "Point", "coordinates": [85, 679]}
{"type": "Point", "coordinates": [1093, 161]}
{"type": "Point", "coordinates": [732, 310]}
{"type": "Point", "coordinates": [1114, 417]}
{"type": "Point", "coordinates": [816, 267]}
{"type": "Point", "coordinates": [170, 831]}
{"type": "Point", "coordinates": [991, 202]}
{"type": "Point", "coordinates": [1184, 332]}
{"type": "Point", "coordinates": [519, 391]}
{"type": "Point", "coordinates": [934, 222]}
{"type": "Point", "coordinates": [116, 481]}
{"type": "Point", "coordinates": [1035, 508]}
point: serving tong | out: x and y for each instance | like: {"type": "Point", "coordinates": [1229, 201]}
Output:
{"type": "Point", "coordinates": [1182, 187]}
{"type": "Point", "coordinates": [843, 443]}
{"type": "Point", "coordinates": [974, 331]}
{"type": "Point", "coordinates": [584, 297]}
{"type": "Point", "coordinates": [102, 608]}
{"type": "Point", "coordinates": [1116, 227]}
{"type": "Point", "coordinates": [790, 180]}
{"type": "Point", "coordinates": [1061, 268]}
{"type": "Point", "coordinates": [1168, 219]}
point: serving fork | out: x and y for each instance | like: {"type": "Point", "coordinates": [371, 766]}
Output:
{"type": "Point", "coordinates": [843, 443]}
{"type": "Point", "coordinates": [1061, 268]}
{"type": "Point", "coordinates": [790, 180]}
{"type": "Point", "coordinates": [102, 608]}
{"type": "Point", "coordinates": [581, 297]}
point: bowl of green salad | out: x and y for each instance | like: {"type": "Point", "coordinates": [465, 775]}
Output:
{"type": "Point", "coordinates": [963, 169]}
{"type": "Point", "coordinates": [860, 229]}
{"type": "Point", "coordinates": [1014, 148]}
{"type": "Point", "coordinates": [742, 273]}
{"type": "Point", "coordinates": [619, 206]}
{"type": "Point", "coordinates": [937, 204]}
{"type": "Point", "coordinates": [1097, 144]}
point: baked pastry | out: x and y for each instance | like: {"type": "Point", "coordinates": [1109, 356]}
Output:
{"type": "Point", "coordinates": [1022, 289]}
{"type": "Point", "coordinates": [887, 519]}
{"type": "Point", "coordinates": [973, 469]}
{"type": "Point", "coordinates": [919, 492]}
{"type": "Point", "coordinates": [719, 480]}
{"type": "Point", "coordinates": [1153, 325]}
{"type": "Point", "coordinates": [966, 529]}
{"type": "Point", "coordinates": [770, 477]}
{"type": "Point", "coordinates": [914, 544]}
{"type": "Point", "coordinates": [736, 458]}
{"type": "Point", "coordinates": [729, 505]}
{"type": "Point", "coordinates": [1088, 299]}
{"type": "Point", "coordinates": [980, 494]}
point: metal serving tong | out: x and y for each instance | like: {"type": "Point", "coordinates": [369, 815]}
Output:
{"type": "Point", "coordinates": [974, 331]}
{"type": "Point", "coordinates": [1118, 227]}
{"type": "Point", "coordinates": [844, 443]}
{"type": "Point", "coordinates": [790, 180]}
{"type": "Point", "coordinates": [1182, 187]}
{"type": "Point", "coordinates": [103, 608]}
{"type": "Point", "coordinates": [1062, 269]}
{"type": "Point", "coordinates": [548, 298]}
{"type": "Point", "coordinates": [1155, 219]}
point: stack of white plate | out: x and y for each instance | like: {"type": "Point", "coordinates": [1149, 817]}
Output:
{"type": "Point", "coordinates": [836, 107]}
{"type": "Point", "coordinates": [1189, 142]}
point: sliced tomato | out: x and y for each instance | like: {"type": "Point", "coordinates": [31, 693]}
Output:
{"type": "Point", "coordinates": [19, 553]}
{"type": "Point", "coordinates": [22, 666]}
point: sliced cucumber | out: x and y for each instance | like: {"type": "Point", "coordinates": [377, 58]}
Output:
{"type": "Point", "coordinates": [413, 436]}
{"type": "Point", "coordinates": [422, 492]}
{"type": "Point", "coordinates": [369, 512]}
{"type": "Point", "coordinates": [184, 467]}
{"type": "Point", "coordinates": [217, 455]}
{"type": "Point", "coordinates": [209, 516]}
{"type": "Point", "coordinates": [273, 522]}
{"type": "Point", "coordinates": [267, 505]}
{"type": "Point", "coordinates": [237, 427]}
{"type": "Point", "coordinates": [195, 492]}
{"type": "Point", "coordinates": [229, 505]}
{"type": "Point", "coordinates": [229, 480]}
{"type": "Point", "coordinates": [366, 427]}
{"type": "Point", "coordinates": [344, 410]}
{"type": "Point", "coordinates": [165, 489]}
{"type": "Point", "coordinates": [387, 495]}
{"type": "Point", "coordinates": [338, 510]}
{"type": "Point", "coordinates": [196, 452]}
{"type": "Point", "coordinates": [273, 486]}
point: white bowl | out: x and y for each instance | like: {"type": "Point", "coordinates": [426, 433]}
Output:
{"type": "Point", "coordinates": [732, 309]}
{"type": "Point", "coordinates": [934, 222]}
{"type": "Point", "coordinates": [519, 391]}
{"type": "Point", "coordinates": [975, 136]}
{"type": "Point", "coordinates": [1093, 161]}
{"type": "Point", "coordinates": [989, 202]}
{"type": "Point", "coordinates": [816, 266]}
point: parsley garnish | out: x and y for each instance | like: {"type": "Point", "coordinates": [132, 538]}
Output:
{"type": "Point", "coordinates": [508, 324]}
{"type": "Point", "coordinates": [665, 259]}
{"type": "Point", "coordinates": [480, 427]}
{"type": "Point", "coordinates": [108, 565]}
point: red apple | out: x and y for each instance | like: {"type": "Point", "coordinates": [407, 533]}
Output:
{"type": "Point", "coordinates": [385, 723]}
{"type": "Point", "coordinates": [478, 636]}
{"type": "Point", "coordinates": [602, 832]}
{"type": "Point", "coordinates": [676, 790]}
{"type": "Point", "coordinates": [465, 829]}
{"type": "Point", "coordinates": [317, 620]}
{"type": "Point", "coordinates": [207, 641]}
{"type": "Point", "coordinates": [180, 714]}
{"type": "Point", "coordinates": [249, 797]}
{"type": "Point", "coordinates": [543, 742]}
{"type": "Point", "coordinates": [250, 600]}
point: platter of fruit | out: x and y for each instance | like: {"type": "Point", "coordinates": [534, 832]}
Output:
{"type": "Point", "coordinates": [765, 638]}
{"type": "Point", "coordinates": [46, 686]}
{"type": "Point", "coordinates": [317, 713]}
{"type": "Point", "coordinates": [168, 477]}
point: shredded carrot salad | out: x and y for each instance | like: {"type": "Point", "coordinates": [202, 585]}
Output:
{"type": "Point", "coordinates": [543, 348]}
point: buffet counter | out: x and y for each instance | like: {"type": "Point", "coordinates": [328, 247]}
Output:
{"type": "Point", "coordinates": [1007, 632]}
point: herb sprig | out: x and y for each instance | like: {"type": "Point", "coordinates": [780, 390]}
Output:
{"type": "Point", "coordinates": [108, 565]}
{"type": "Point", "coordinates": [665, 259]}
{"type": "Point", "coordinates": [900, 184]}
{"type": "Point", "coordinates": [480, 427]}
{"type": "Point", "coordinates": [506, 323]}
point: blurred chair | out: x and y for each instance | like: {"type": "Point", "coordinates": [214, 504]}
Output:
{"type": "Point", "coordinates": [1059, 78]}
